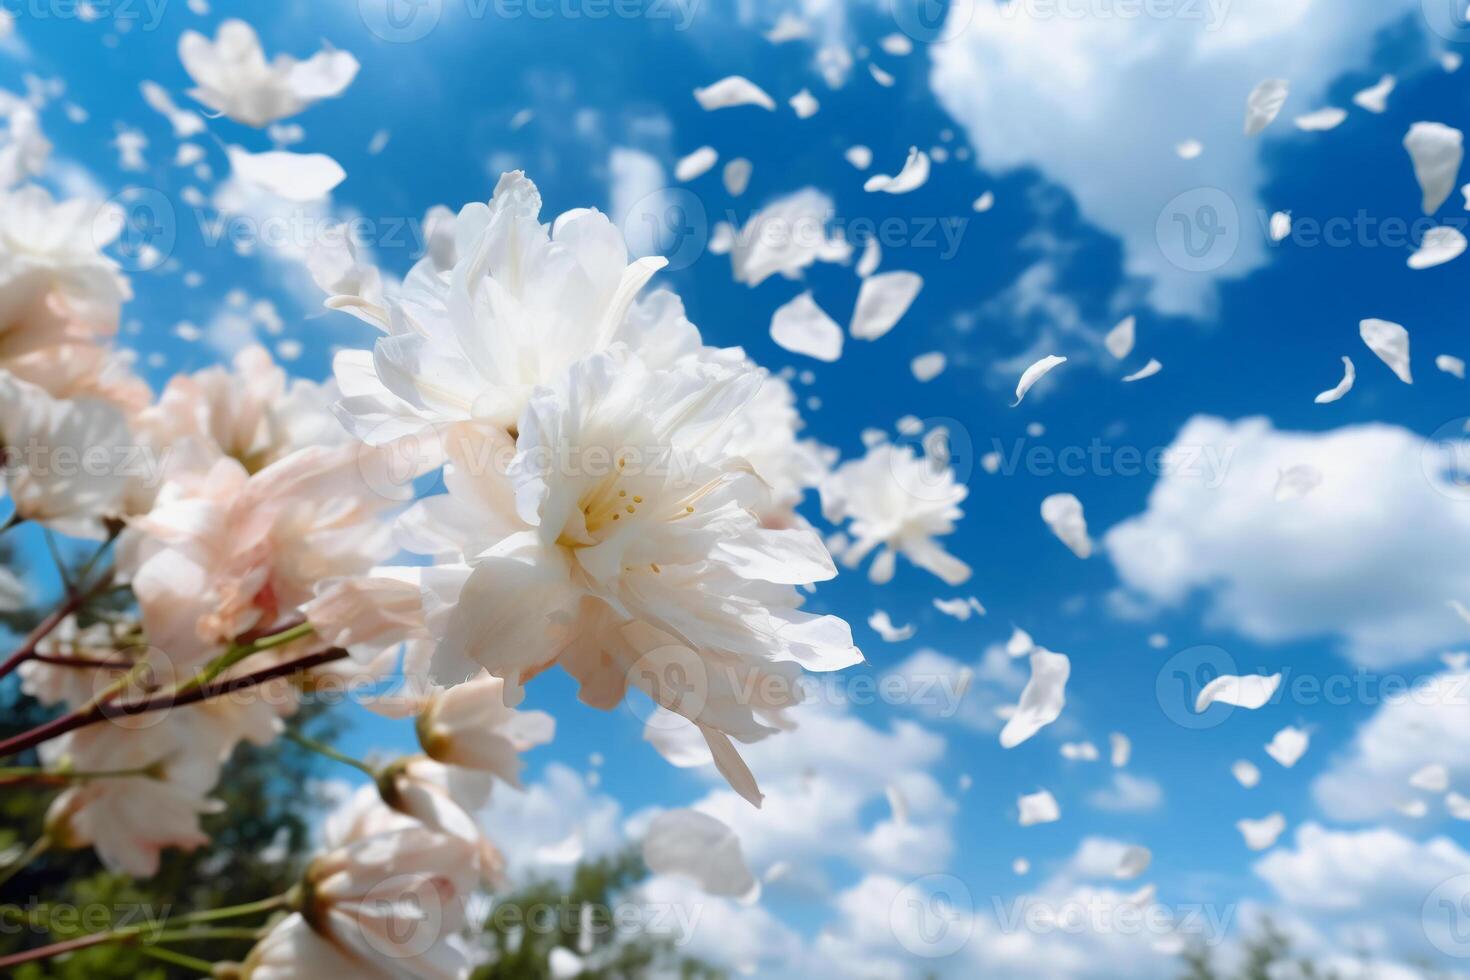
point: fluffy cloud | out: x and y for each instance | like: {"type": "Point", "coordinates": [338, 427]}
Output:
{"type": "Point", "coordinates": [1365, 889]}
{"type": "Point", "coordinates": [1369, 556]}
{"type": "Point", "coordinates": [1092, 97]}
{"type": "Point", "coordinates": [1418, 727]}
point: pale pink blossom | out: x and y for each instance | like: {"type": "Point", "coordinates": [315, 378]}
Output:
{"type": "Point", "coordinates": [386, 906]}
{"type": "Point", "coordinates": [224, 552]}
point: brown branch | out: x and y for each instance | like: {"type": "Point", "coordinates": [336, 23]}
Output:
{"type": "Point", "coordinates": [95, 713]}
{"type": "Point", "coordinates": [74, 600]}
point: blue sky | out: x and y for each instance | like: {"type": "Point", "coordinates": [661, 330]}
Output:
{"type": "Point", "coordinates": [1047, 270]}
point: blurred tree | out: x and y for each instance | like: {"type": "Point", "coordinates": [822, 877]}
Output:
{"type": "Point", "coordinates": [524, 927]}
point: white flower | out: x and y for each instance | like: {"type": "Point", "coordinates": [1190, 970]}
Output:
{"type": "Point", "coordinates": [129, 820]}
{"type": "Point", "coordinates": [248, 413]}
{"type": "Point", "coordinates": [232, 76]}
{"type": "Point", "coordinates": [385, 906]}
{"type": "Point", "coordinates": [469, 725]}
{"type": "Point", "coordinates": [224, 552]}
{"type": "Point", "coordinates": [505, 305]}
{"type": "Point", "coordinates": [622, 540]}
{"type": "Point", "coordinates": [765, 434]}
{"type": "Point", "coordinates": [899, 503]}
{"type": "Point", "coordinates": [65, 462]}
{"type": "Point", "coordinates": [55, 283]}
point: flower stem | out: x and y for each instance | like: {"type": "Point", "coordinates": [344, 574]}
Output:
{"type": "Point", "coordinates": [179, 959]}
{"type": "Point", "coordinates": [30, 854]}
{"type": "Point", "coordinates": [240, 651]}
{"type": "Point", "coordinates": [322, 748]}
{"type": "Point", "coordinates": [97, 712]}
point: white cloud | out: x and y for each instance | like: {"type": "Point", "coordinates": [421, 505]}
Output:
{"type": "Point", "coordinates": [1369, 557]}
{"type": "Point", "coordinates": [1093, 99]}
{"type": "Point", "coordinates": [1413, 728]}
{"type": "Point", "coordinates": [1364, 889]}
{"type": "Point", "coordinates": [931, 681]}
{"type": "Point", "coordinates": [547, 812]}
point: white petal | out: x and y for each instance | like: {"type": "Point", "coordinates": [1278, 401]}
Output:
{"type": "Point", "coordinates": [1020, 643]}
{"type": "Point", "coordinates": [1438, 246]}
{"type": "Point", "coordinates": [1323, 119]}
{"type": "Point", "coordinates": [1150, 369]}
{"type": "Point", "coordinates": [1288, 745]}
{"type": "Point", "coordinates": [696, 164]}
{"type": "Point", "coordinates": [1349, 375]}
{"type": "Point", "coordinates": [1039, 807]}
{"type": "Point", "coordinates": [960, 607]}
{"type": "Point", "coordinates": [1246, 773]}
{"type": "Point", "coordinates": [697, 846]}
{"type": "Point", "coordinates": [1296, 481]}
{"type": "Point", "coordinates": [880, 76]}
{"type": "Point", "coordinates": [897, 45]}
{"type": "Point", "coordinates": [927, 367]}
{"type": "Point", "coordinates": [1034, 374]}
{"type": "Point", "coordinates": [882, 301]}
{"type": "Point", "coordinates": [1261, 834]}
{"type": "Point", "coordinates": [1119, 340]}
{"type": "Point", "coordinates": [1122, 749]}
{"type": "Point", "coordinates": [1450, 365]}
{"type": "Point", "coordinates": [1263, 104]}
{"type": "Point", "coordinates": [1280, 225]}
{"type": "Point", "coordinates": [1063, 514]}
{"type": "Point", "coordinates": [801, 327]}
{"type": "Point", "coordinates": [883, 626]}
{"type": "Point", "coordinates": [859, 156]}
{"type": "Point", "coordinates": [983, 203]}
{"type": "Point", "coordinates": [872, 255]}
{"type": "Point", "coordinates": [1042, 699]}
{"type": "Point", "coordinates": [1189, 149]}
{"type": "Point", "coordinates": [733, 91]}
{"type": "Point", "coordinates": [1133, 862]}
{"type": "Point", "coordinates": [1390, 341]}
{"type": "Point", "coordinates": [737, 176]}
{"type": "Point", "coordinates": [295, 176]}
{"type": "Point", "coordinates": [804, 104]}
{"type": "Point", "coordinates": [1250, 691]}
{"type": "Point", "coordinates": [913, 175]}
{"type": "Point", "coordinates": [1374, 98]}
{"type": "Point", "coordinates": [1436, 150]}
